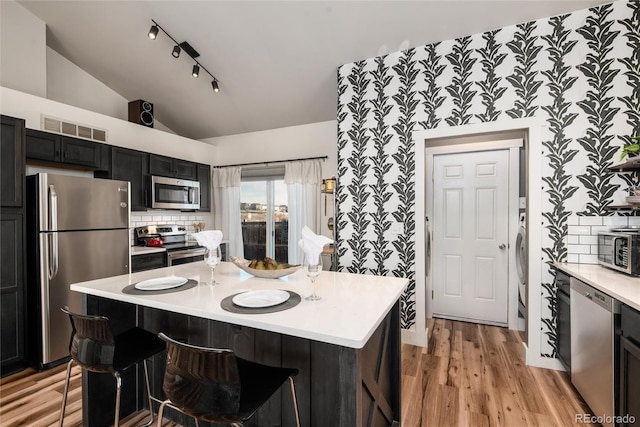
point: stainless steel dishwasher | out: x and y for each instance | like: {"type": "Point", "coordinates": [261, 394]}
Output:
{"type": "Point", "coordinates": [594, 319]}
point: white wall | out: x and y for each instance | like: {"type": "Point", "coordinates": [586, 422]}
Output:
{"type": "Point", "coordinates": [22, 50]}
{"type": "Point", "coordinates": [311, 140]}
{"type": "Point", "coordinates": [69, 84]}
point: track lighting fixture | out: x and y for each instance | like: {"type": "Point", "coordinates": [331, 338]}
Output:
{"type": "Point", "coordinates": [153, 32]}
{"type": "Point", "coordinates": [186, 47]}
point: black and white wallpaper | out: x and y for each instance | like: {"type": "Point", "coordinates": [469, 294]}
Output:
{"type": "Point", "coordinates": [579, 72]}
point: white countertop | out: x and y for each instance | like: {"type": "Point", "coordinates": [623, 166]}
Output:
{"type": "Point", "coordinates": [351, 308]}
{"type": "Point", "coordinates": [622, 287]}
{"type": "Point", "coordinates": [141, 250]}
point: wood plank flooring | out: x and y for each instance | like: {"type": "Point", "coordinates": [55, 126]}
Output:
{"type": "Point", "coordinates": [470, 375]}
{"type": "Point", "coordinates": [474, 375]}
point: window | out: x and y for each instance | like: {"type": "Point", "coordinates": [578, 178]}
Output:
{"type": "Point", "coordinates": [264, 214]}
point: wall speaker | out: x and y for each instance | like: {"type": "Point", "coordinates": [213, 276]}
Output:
{"type": "Point", "coordinates": [141, 112]}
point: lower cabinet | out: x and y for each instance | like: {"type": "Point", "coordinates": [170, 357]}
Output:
{"type": "Point", "coordinates": [150, 261]}
{"type": "Point", "coordinates": [12, 315]}
{"type": "Point", "coordinates": [629, 407]}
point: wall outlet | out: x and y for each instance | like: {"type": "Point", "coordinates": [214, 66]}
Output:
{"type": "Point", "coordinates": [523, 203]}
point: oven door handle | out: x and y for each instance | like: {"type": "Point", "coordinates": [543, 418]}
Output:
{"type": "Point", "coordinates": [186, 253]}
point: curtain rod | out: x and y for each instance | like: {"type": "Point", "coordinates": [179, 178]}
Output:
{"type": "Point", "coordinates": [275, 161]}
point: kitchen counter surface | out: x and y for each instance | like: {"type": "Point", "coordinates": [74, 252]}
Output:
{"type": "Point", "coordinates": [351, 308]}
{"type": "Point", "coordinates": [141, 250]}
{"type": "Point", "coordinates": [622, 287]}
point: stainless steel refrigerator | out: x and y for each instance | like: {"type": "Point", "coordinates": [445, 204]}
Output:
{"type": "Point", "coordinates": [78, 230]}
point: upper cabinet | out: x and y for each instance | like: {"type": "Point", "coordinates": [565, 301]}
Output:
{"type": "Point", "coordinates": [12, 162]}
{"type": "Point", "coordinates": [204, 178]}
{"type": "Point", "coordinates": [172, 168]}
{"type": "Point", "coordinates": [131, 165]}
{"type": "Point", "coordinates": [54, 148]}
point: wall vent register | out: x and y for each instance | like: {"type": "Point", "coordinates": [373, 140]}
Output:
{"type": "Point", "coordinates": [66, 127]}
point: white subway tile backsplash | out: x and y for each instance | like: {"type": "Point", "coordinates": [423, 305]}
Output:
{"type": "Point", "coordinates": [573, 240]}
{"type": "Point", "coordinates": [579, 249]}
{"type": "Point", "coordinates": [578, 229]}
{"type": "Point", "coordinates": [615, 220]}
{"type": "Point", "coordinates": [597, 229]}
{"type": "Point", "coordinates": [573, 220]}
{"type": "Point", "coordinates": [588, 240]}
{"type": "Point", "coordinates": [590, 220]}
{"type": "Point", "coordinates": [574, 258]}
{"type": "Point", "coordinates": [594, 249]}
{"type": "Point", "coordinates": [634, 220]}
{"type": "Point", "coordinates": [588, 259]}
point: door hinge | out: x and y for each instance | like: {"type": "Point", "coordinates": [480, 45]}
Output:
{"type": "Point", "coordinates": [432, 294]}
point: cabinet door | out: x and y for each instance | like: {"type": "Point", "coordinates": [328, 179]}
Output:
{"type": "Point", "coordinates": [43, 146]}
{"type": "Point", "coordinates": [131, 165]}
{"type": "Point", "coordinates": [12, 162]}
{"type": "Point", "coordinates": [80, 152]}
{"type": "Point", "coordinates": [184, 169]}
{"type": "Point", "coordinates": [204, 178]}
{"type": "Point", "coordinates": [12, 345]}
{"type": "Point", "coordinates": [629, 380]}
{"type": "Point", "coordinates": [161, 165]}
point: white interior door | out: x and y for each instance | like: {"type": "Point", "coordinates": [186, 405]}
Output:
{"type": "Point", "coordinates": [470, 236]}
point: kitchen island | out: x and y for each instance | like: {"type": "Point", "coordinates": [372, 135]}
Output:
{"type": "Point", "coordinates": [346, 345]}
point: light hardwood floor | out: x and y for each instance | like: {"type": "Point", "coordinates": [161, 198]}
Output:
{"type": "Point", "coordinates": [470, 375]}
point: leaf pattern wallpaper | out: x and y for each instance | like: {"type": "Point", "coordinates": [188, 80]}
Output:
{"type": "Point", "coordinates": [579, 73]}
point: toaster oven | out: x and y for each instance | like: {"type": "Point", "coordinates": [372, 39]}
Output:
{"type": "Point", "coordinates": [620, 251]}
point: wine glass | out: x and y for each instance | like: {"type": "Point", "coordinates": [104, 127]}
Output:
{"type": "Point", "coordinates": [313, 267]}
{"type": "Point", "coordinates": [212, 258]}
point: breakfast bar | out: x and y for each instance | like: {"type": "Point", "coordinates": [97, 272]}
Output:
{"type": "Point", "coordinates": [346, 346]}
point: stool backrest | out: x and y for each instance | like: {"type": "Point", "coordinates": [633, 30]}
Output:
{"type": "Point", "coordinates": [202, 382]}
{"type": "Point", "coordinates": [92, 345]}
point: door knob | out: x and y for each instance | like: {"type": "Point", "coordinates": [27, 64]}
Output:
{"type": "Point", "coordinates": [502, 246]}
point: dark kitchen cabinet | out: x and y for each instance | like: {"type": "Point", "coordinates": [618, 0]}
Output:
{"type": "Point", "coordinates": [629, 405]}
{"type": "Point", "coordinates": [150, 261]}
{"type": "Point", "coordinates": [204, 178]}
{"type": "Point", "coordinates": [172, 168]}
{"type": "Point", "coordinates": [12, 162]}
{"type": "Point", "coordinates": [13, 349]}
{"type": "Point", "coordinates": [54, 148]}
{"type": "Point", "coordinates": [131, 165]}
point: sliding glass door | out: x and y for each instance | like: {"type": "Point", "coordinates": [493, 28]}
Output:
{"type": "Point", "coordinates": [265, 218]}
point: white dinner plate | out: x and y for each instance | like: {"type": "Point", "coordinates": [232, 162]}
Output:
{"type": "Point", "coordinates": [262, 298]}
{"type": "Point", "coordinates": [161, 283]}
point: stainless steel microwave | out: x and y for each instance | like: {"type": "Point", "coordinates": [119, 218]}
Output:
{"type": "Point", "coordinates": [620, 251]}
{"type": "Point", "coordinates": [171, 193]}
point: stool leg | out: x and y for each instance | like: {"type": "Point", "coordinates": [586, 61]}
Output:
{"type": "Point", "coordinates": [66, 391]}
{"type": "Point", "coordinates": [146, 379]}
{"type": "Point", "coordinates": [161, 411]}
{"type": "Point", "coordinates": [295, 401]}
{"type": "Point", "coordinates": [116, 421]}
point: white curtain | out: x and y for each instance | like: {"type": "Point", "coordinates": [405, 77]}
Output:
{"type": "Point", "coordinates": [303, 190]}
{"type": "Point", "coordinates": [226, 207]}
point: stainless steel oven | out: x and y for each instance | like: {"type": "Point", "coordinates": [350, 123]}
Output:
{"type": "Point", "coordinates": [184, 256]}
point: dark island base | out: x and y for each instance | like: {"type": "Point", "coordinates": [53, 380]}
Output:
{"type": "Point", "coordinates": [336, 386]}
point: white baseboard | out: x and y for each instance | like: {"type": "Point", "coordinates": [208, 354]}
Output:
{"type": "Point", "coordinates": [414, 338]}
{"type": "Point", "coordinates": [542, 362]}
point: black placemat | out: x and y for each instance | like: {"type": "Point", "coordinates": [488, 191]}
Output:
{"type": "Point", "coordinates": [133, 291]}
{"type": "Point", "coordinates": [228, 305]}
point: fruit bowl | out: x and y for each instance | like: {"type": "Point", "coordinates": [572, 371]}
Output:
{"type": "Point", "coordinates": [243, 265]}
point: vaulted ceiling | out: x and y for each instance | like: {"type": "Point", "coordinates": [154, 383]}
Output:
{"type": "Point", "coordinates": [276, 61]}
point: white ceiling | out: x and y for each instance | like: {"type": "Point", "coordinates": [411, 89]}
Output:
{"type": "Point", "coordinates": [276, 60]}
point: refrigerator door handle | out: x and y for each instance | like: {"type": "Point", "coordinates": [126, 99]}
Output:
{"type": "Point", "coordinates": [53, 237]}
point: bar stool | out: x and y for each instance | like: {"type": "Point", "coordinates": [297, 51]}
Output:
{"type": "Point", "coordinates": [215, 385]}
{"type": "Point", "coordinates": [94, 347]}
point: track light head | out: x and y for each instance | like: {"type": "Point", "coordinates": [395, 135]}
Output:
{"type": "Point", "coordinates": [214, 85]}
{"type": "Point", "coordinates": [196, 71]}
{"type": "Point", "coordinates": [153, 32]}
{"type": "Point", "coordinates": [176, 51]}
